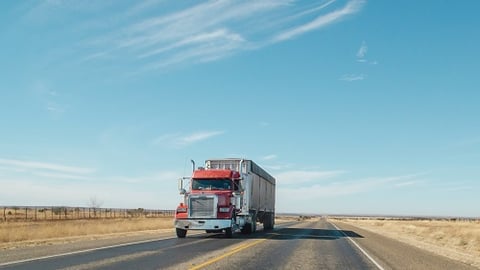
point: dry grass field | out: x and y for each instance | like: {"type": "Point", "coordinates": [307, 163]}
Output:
{"type": "Point", "coordinates": [33, 233]}
{"type": "Point", "coordinates": [459, 240]}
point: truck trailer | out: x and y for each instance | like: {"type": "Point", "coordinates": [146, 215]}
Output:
{"type": "Point", "coordinates": [224, 196]}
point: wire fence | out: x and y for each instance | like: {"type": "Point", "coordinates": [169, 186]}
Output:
{"type": "Point", "coordinates": [42, 213]}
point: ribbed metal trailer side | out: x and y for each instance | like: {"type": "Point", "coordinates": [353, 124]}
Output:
{"type": "Point", "coordinates": [258, 185]}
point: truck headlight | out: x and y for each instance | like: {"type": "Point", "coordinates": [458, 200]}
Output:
{"type": "Point", "coordinates": [224, 209]}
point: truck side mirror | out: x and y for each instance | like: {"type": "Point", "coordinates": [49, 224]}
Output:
{"type": "Point", "coordinates": [182, 191]}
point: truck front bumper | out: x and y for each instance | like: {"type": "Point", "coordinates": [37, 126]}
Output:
{"type": "Point", "coordinates": [203, 224]}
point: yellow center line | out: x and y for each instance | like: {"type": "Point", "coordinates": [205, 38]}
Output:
{"type": "Point", "coordinates": [231, 252]}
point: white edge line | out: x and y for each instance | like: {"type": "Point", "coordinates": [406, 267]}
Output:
{"type": "Point", "coordinates": [358, 246]}
{"type": "Point", "coordinates": [81, 251]}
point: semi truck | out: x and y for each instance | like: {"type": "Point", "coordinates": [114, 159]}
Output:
{"type": "Point", "coordinates": [224, 196]}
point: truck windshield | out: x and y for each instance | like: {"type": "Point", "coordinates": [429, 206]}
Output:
{"type": "Point", "coordinates": [212, 184]}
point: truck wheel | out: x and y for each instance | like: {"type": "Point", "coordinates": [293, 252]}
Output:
{"type": "Point", "coordinates": [268, 221]}
{"type": "Point", "coordinates": [254, 223]}
{"type": "Point", "coordinates": [247, 228]}
{"type": "Point", "coordinates": [228, 232]}
{"type": "Point", "coordinates": [181, 233]}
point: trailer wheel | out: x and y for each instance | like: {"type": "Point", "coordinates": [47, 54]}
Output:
{"type": "Point", "coordinates": [181, 233]}
{"type": "Point", "coordinates": [268, 221]}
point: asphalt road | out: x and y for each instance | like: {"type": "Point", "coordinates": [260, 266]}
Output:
{"type": "Point", "coordinates": [297, 245]}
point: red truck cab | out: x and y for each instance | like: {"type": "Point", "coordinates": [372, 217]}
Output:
{"type": "Point", "coordinates": [210, 204]}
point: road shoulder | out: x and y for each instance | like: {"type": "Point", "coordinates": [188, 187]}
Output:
{"type": "Point", "coordinates": [393, 254]}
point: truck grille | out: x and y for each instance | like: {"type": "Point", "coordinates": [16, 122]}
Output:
{"type": "Point", "coordinates": [202, 207]}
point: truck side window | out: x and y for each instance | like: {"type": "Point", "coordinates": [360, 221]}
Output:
{"type": "Point", "coordinates": [226, 185]}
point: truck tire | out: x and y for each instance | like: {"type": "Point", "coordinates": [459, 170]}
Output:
{"type": "Point", "coordinates": [181, 233]}
{"type": "Point", "coordinates": [228, 232]}
{"type": "Point", "coordinates": [266, 222]}
{"type": "Point", "coordinates": [254, 222]}
{"type": "Point", "coordinates": [250, 227]}
{"type": "Point", "coordinates": [247, 228]}
{"type": "Point", "coordinates": [269, 221]}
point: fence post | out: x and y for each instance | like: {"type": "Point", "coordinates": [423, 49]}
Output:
{"type": "Point", "coordinates": [4, 213]}
{"type": "Point", "coordinates": [26, 213]}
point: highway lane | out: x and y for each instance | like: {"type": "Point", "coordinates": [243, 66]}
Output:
{"type": "Point", "coordinates": [298, 245]}
{"type": "Point", "coordinates": [308, 245]}
{"type": "Point", "coordinates": [277, 248]}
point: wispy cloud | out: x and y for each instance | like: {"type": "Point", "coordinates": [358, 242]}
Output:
{"type": "Point", "coordinates": [269, 157]}
{"type": "Point", "coordinates": [278, 167]}
{"type": "Point", "coordinates": [206, 31]}
{"type": "Point", "coordinates": [352, 77]}
{"type": "Point", "coordinates": [362, 55]}
{"type": "Point", "coordinates": [36, 181]}
{"type": "Point", "coordinates": [321, 21]}
{"type": "Point", "coordinates": [48, 97]}
{"type": "Point", "coordinates": [198, 136]}
{"type": "Point", "coordinates": [151, 178]}
{"type": "Point", "coordinates": [305, 176]}
{"type": "Point", "coordinates": [35, 192]}
{"type": "Point", "coordinates": [62, 176]}
{"type": "Point", "coordinates": [455, 186]}
{"type": "Point", "coordinates": [341, 188]}
{"type": "Point", "coordinates": [35, 165]}
{"type": "Point", "coordinates": [54, 108]}
{"type": "Point", "coordinates": [362, 52]}
{"type": "Point", "coordinates": [179, 140]}
{"type": "Point", "coordinates": [406, 184]}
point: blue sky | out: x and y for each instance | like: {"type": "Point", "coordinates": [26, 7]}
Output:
{"type": "Point", "coordinates": [356, 107]}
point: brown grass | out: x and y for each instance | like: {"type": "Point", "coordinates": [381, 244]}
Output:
{"type": "Point", "coordinates": [459, 240]}
{"type": "Point", "coordinates": [14, 232]}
